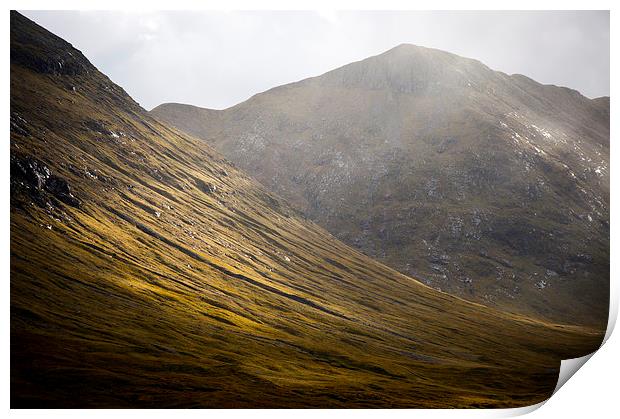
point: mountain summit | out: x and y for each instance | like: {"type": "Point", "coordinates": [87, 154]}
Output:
{"type": "Point", "coordinates": [409, 69]}
{"type": "Point", "coordinates": [489, 186]}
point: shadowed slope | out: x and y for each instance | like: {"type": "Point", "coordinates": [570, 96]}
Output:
{"type": "Point", "coordinates": [146, 271]}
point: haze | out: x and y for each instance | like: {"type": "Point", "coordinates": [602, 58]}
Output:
{"type": "Point", "coordinates": [216, 59]}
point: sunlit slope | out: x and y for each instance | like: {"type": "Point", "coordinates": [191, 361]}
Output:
{"type": "Point", "coordinates": [147, 271]}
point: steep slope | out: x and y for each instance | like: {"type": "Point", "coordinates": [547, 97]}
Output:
{"type": "Point", "coordinates": [146, 271]}
{"type": "Point", "coordinates": [488, 186]}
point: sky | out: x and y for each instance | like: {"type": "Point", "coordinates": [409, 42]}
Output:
{"type": "Point", "coordinates": [216, 59]}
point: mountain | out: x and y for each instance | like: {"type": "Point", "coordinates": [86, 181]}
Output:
{"type": "Point", "coordinates": [147, 271]}
{"type": "Point", "coordinates": [488, 186]}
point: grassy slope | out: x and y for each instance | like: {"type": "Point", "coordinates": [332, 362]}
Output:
{"type": "Point", "coordinates": [228, 297]}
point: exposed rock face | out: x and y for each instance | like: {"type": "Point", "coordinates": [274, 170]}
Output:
{"type": "Point", "coordinates": [478, 182]}
{"type": "Point", "coordinates": [35, 178]}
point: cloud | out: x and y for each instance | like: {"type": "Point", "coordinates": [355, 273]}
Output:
{"type": "Point", "coordinates": [216, 59]}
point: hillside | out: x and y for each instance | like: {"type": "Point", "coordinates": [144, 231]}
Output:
{"type": "Point", "coordinates": [488, 186]}
{"type": "Point", "coordinates": [147, 271]}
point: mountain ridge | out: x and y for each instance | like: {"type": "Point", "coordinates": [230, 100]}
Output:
{"type": "Point", "coordinates": [455, 125]}
{"type": "Point", "coordinates": [393, 50]}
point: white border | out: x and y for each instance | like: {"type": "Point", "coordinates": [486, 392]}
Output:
{"type": "Point", "coordinates": [591, 393]}
{"type": "Point", "coordinates": [312, 5]}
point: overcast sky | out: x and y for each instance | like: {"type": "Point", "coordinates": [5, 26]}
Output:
{"type": "Point", "coordinates": [217, 59]}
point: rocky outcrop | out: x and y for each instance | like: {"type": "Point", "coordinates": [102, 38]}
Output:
{"type": "Point", "coordinates": [33, 178]}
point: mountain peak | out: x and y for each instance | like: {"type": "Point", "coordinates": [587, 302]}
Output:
{"type": "Point", "coordinates": [33, 47]}
{"type": "Point", "coordinates": [406, 48]}
{"type": "Point", "coordinates": [409, 68]}
{"type": "Point", "coordinates": [36, 49]}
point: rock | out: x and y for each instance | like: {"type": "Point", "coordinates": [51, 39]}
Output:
{"type": "Point", "coordinates": [60, 188]}
{"type": "Point", "coordinates": [19, 125]}
{"type": "Point", "coordinates": [542, 284]}
{"type": "Point", "coordinates": [35, 179]}
{"type": "Point", "coordinates": [97, 126]}
{"type": "Point", "coordinates": [207, 188]}
{"type": "Point", "coordinates": [29, 170]}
